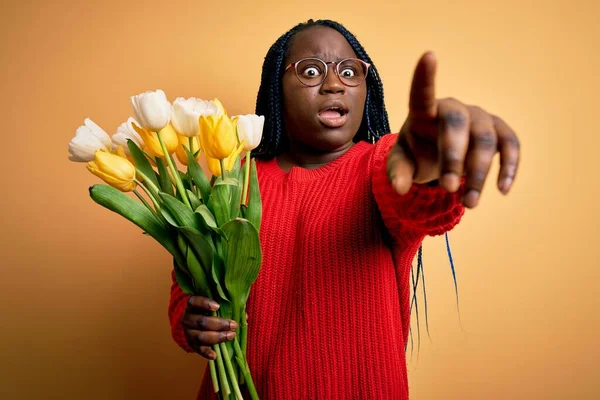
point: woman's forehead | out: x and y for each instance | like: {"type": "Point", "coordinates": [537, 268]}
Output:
{"type": "Point", "coordinates": [322, 42]}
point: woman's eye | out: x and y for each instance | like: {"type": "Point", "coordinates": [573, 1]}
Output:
{"type": "Point", "coordinates": [348, 73]}
{"type": "Point", "coordinates": [311, 72]}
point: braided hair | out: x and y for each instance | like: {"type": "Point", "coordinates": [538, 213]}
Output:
{"type": "Point", "coordinates": [270, 94]}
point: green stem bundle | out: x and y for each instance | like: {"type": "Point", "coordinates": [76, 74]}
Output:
{"type": "Point", "coordinates": [174, 171]}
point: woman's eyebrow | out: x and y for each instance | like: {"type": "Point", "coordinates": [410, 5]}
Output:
{"type": "Point", "coordinates": [327, 59]}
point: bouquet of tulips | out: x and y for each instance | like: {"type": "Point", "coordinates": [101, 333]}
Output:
{"type": "Point", "coordinates": [209, 225]}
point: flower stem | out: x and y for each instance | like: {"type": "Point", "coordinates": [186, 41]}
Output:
{"type": "Point", "coordinates": [245, 370]}
{"type": "Point", "coordinates": [147, 180]}
{"type": "Point", "coordinates": [246, 178]}
{"type": "Point", "coordinates": [222, 373]}
{"type": "Point", "coordinates": [174, 171]}
{"type": "Point", "coordinates": [244, 335]}
{"type": "Point", "coordinates": [142, 199]}
{"type": "Point", "coordinates": [154, 201]}
{"type": "Point", "coordinates": [191, 141]}
{"type": "Point", "coordinates": [231, 371]}
{"type": "Point", "coordinates": [213, 375]}
{"type": "Point", "coordinates": [222, 164]}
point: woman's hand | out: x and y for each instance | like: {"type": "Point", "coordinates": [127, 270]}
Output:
{"type": "Point", "coordinates": [446, 139]}
{"type": "Point", "coordinates": [203, 331]}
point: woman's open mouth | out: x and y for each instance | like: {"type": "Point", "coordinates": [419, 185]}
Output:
{"type": "Point", "coordinates": [333, 117]}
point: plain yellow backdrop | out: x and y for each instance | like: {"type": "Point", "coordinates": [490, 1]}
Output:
{"type": "Point", "coordinates": [83, 295]}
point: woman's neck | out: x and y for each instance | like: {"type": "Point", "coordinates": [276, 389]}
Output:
{"type": "Point", "coordinates": [308, 158]}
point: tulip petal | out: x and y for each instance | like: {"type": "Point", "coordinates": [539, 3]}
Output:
{"type": "Point", "coordinates": [152, 110]}
{"type": "Point", "coordinates": [218, 138]}
{"type": "Point", "coordinates": [125, 132]}
{"type": "Point", "coordinates": [98, 132]}
{"type": "Point", "coordinates": [114, 170]}
{"type": "Point", "coordinates": [87, 140]}
{"type": "Point", "coordinates": [230, 161]}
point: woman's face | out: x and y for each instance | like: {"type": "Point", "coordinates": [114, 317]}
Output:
{"type": "Point", "coordinates": [312, 114]}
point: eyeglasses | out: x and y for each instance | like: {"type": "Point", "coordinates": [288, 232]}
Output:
{"type": "Point", "coordinates": [313, 71]}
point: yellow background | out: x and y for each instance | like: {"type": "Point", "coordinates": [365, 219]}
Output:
{"type": "Point", "coordinates": [83, 295]}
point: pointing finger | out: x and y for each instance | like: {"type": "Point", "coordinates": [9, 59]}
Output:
{"type": "Point", "coordinates": [422, 103]}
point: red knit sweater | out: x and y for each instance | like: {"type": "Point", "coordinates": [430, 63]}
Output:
{"type": "Point", "coordinates": [329, 312]}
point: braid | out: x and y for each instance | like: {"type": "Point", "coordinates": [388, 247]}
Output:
{"type": "Point", "coordinates": [269, 101]}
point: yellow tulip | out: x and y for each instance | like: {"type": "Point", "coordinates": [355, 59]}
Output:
{"type": "Point", "coordinates": [185, 141]}
{"type": "Point", "coordinates": [117, 171]}
{"type": "Point", "coordinates": [217, 136]}
{"type": "Point", "coordinates": [151, 143]}
{"type": "Point", "coordinates": [214, 166]}
{"type": "Point", "coordinates": [120, 151]}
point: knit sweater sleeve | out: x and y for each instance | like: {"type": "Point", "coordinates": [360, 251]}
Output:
{"type": "Point", "coordinates": [424, 210]}
{"type": "Point", "coordinates": [177, 306]}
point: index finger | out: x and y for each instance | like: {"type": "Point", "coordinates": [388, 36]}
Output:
{"type": "Point", "coordinates": [422, 103]}
{"type": "Point", "coordinates": [199, 303]}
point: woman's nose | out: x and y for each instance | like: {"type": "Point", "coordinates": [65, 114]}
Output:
{"type": "Point", "coordinates": [332, 82]}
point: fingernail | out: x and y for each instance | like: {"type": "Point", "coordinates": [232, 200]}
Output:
{"type": "Point", "coordinates": [230, 335]}
{"type": "Point", "coordinates": [233, 325]}
{"type": "Point", "coordinates": [471, 198]}
{"type": "Point", "coordinates": [450, 181]}
{"type": "Point", "coordinates": [397, 183]}
{"type": "Point", "coordinates": [214, 306]}
{"type": "Point", "coordinates": [505, 185]}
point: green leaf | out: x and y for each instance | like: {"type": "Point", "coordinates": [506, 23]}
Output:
{"type": "Point", "coordinates": [168, 216]}
{"type": "Point", "coordinates": [201, 284]}
{"type": "Point", "coordinates": [202, 245]}
{"type": "Point", "coordinates": [141, 162]}
{"type": "Point", "coordinates": [198, 176]}
{"type": "Point", "coordinates": [163, 176]}
{"type": "Point", "coordinates": [194, 200]}
{"type": "Point", "coordinates": [183, 278]}
{"type": "Point", "coordinates": [254, 211]}
{"type": "Point", "coordinates": [136, 212]}
{"type": "Point", "coordinates": [207, 216]}
{"type": "Point", "coordinates": [243, 258]}
{"type": "Point", "coordinates": [180, 212]}
{"type": "Point", "coordinates": [236, 166]}
{"type": "Point", "coordinates": [217, 274]}
{"type": "Point", "coordinates": [236, 195]}
{"type": "Point", "coordinates": [225, 310]}
{"type": "Point", "coordinates": [219, 202]}
{"type": "Point", "coordinates": [184, 180]}
{"type": "Point", "coordinates": [227, 181]}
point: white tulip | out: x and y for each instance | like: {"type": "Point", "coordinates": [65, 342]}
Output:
{"type": "Point", "coordinates": [152, 110]}
{"type": "Point", "coordinates": [250, 129]}
{"type": "Point", "coordinates": [88, 139]}
{"type": "Point", "coordinates": [125, 131]}
{"type": "Point", "coordinates": [187, 111]}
